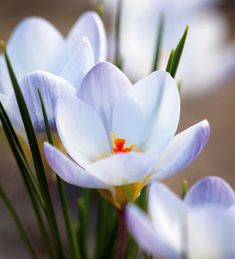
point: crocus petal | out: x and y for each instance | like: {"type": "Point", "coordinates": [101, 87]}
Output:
{"type": "Point", "coordinates": [101, 88]}
{"type": "Point", "coordinates": [146, 236]}
{"type": "Point", "coordinates": [51, 88]}
{"type": "Point", "coordinates": [167, 212]}
{"type": "Point", "coordinates": [148, 114]}
{"type": "Point", "coordinates": [210, 234]}
{"type": "Point", "coordinates": [79, 64]}
{"type": "Point", "coordinates": [81, 130]}
{"type": "Point", "coordinates": [210, 191]}
{"type": "Point", "coordinates": [33, 45]}
{"type": "Point", "coordinates": [70, 172]}
{"type": "Point", "coordinates": [91, 26]}
{"type": "Point", "coordinates": [182, 150]}
{"type": "Point", "coordinates": [122, 169]}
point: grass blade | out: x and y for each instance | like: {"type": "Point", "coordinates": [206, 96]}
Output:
{"type": "Point", "coordinates": [29, 187]}
{"type": "Point", "coordinates": [178, 52]}
{"type": "Point", "coordinates": [158, 43]}
{"type": "Point", "coordinates": [18, 224]}
{"type": "Point", "coordinates": [64, 203]}
{"type": "Point", "coordinates": [36, 157]}
{"type": "Point", "coordinates": [170, 61]}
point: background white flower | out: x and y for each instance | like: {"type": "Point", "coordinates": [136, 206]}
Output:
{"type": "Point", "coordinates": [201, 226]}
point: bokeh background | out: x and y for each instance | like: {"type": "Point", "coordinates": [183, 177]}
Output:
{"type": "Point", "coordinates": [218, 106]}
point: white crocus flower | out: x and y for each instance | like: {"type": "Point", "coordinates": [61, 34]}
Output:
{"type": "Point", "coordinates": [121, 135]}
{"type": "Point", "coordinates": [200, 226]}
{"type": "Point", "coordinates": [35, 44]}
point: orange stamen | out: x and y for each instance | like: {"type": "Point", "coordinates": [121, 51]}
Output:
{"type": "Point", "coordinates": [119, 145]}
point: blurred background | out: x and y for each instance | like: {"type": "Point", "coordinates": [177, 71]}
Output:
{"type": "Point", "coordinates": [207, 71]}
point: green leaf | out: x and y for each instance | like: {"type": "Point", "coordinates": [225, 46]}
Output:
{"type": "Point", "coordinates": [32, 140]}
{"type": "Point", "coordinates": [185, 188]}
{"type": "Point", "coordinates": [178, 52]}
{"type": "Point", "coordinates": [158, 43]}
{"type": "Point", "coordinates": [170, 61]}
{"type": "Point", "coordinates": [19, 155]}
{"type": "Point", "coordinates": [18, 224]}
{"type": "Point", "coordinates": [9, 131]}
{"type": "Point", "coordinates": [64, 203]}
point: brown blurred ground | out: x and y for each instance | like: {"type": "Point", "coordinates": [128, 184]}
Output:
{"type": "Point", "coordinates": [218, 158]}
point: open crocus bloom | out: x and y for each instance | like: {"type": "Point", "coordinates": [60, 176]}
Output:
{"type": "Point", "coordinates": [35, 44]}
{"type": "Point", "coordinates": [200, 226]}
{"type": "Point", "coordinates": [121, 135]}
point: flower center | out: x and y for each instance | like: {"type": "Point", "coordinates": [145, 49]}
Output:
{"type": "Point", "coordinates": [119, 145]}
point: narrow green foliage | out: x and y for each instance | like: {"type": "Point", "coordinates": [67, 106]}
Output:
{"type": "Point", "coordinates": [29, 187]}
{"type": "Point", "coordinates": [178, 52]}
{"type": "Point", "coordinates": [158, 43]}
{"type": "Point", "coordinates": [185, 188]}
{"type": "Point", "coordinates": [106, 230]}
{"type": "Point", "coordinates": [18, 224]}
{"type": "Point", "coordinates": [118, 58]}
{"type": "Point", "coordinates": [19, 155]}
{"type": "Point", "coordinates": [170, 61]}
{"type": "Point", "coordinates": [36, 157]}
{"type": "Point", "coordinates": [64, 203]}
{"type": "Point", "coordinates": [82, 227]}
{"type": "Point", "coordinates": [133, 249]}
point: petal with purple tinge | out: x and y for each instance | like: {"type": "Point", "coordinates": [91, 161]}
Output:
{"type": "Point", "coordinates": [167, 213]}
{"type": "Point", "coordinates": [210, 191]}
{"type": "Point", "coordinates": [101, 88]}
{"type": "Point", "coordinates": [147, 237]}
{"type": "Point", "coordinates": [182, 150]}
{"type": "Point", "coordinates": [91, 26]}
{"type": "Point", "coordinates": [79, 64]}
{"type": "Point", "coordinates": [81, 131]}
{"type": "Point", "coordinates": [51, 88]}
{"type": "Point", "coordinates": [70, 172]}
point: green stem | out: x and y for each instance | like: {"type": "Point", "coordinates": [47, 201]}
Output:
{"type": "Point", "coordinates": [18, 224]}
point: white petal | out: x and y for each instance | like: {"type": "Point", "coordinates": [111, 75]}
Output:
{"type": "Point", "coordinates": [101, 88]}
{"type": "Point", "coordinates": [51, 88]}
{"type": "Point", "coordinates": [79, 63]}
{"type": "Point", "coordinates": [122, 169]}
{"type": "Point", "coordinates": [91, 26]}
{"type": "Point", "coordinates": [147, 237]}
{"type": "Point", "coordinates": [210, 191]}
{"type": "Point", "coordinates": [168, 213]}
{"type": "Point", "coordinates": [211, 234]}
{"type": "Point", "coordinates": [33, 45]}
{"type": "Point", "coordinates": [81, 130]}
{"type": "Point", "coordinates": [65, 168]}
{"type": "Point", "coordinates": [182, 150]}
{"type": "Point", "coordinates": [148, 114]}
